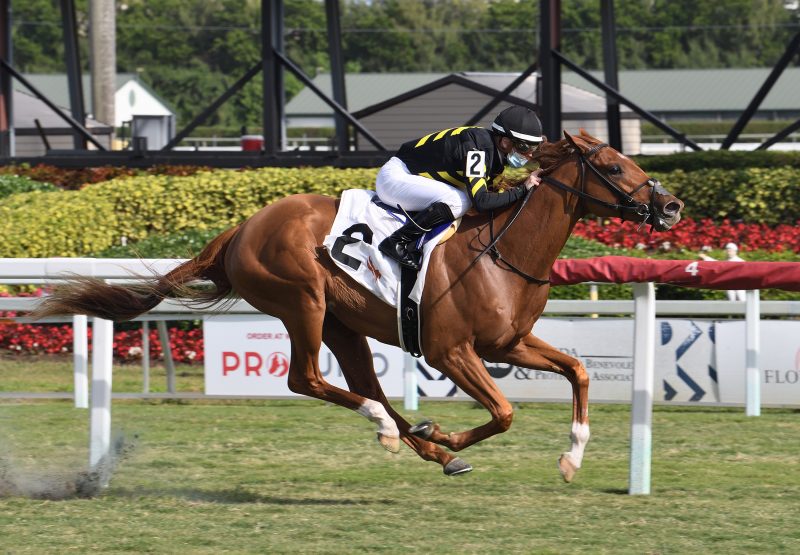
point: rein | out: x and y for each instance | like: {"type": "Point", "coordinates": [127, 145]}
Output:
{"type": "Point", "coordinates": [494, 252]}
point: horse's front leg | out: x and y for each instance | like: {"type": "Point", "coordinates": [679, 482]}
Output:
{"type": "Point", "coordinates": [464, 367]}
{"type": "Point", "coordinates": [535, 354]}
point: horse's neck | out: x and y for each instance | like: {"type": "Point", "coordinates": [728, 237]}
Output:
{"type": "Point", "coordinates": [540, 232]}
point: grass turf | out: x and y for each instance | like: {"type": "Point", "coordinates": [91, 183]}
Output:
{"type": "Point", "coordinates": [303, 476]}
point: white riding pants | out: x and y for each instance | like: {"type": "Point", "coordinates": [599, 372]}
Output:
{"type": "Point", "coordinates": [395, 185]}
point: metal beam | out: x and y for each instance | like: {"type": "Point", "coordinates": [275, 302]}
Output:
{"type": "Point", "coordinates": [503, 95]}
{"type": "Point", "coordinates": [781, 135]}
{"type": "Point", "coordinates": [271, 26]}
{"type": "Point", "coordinates": [549, 100]}
{"type": "Point", "coordinates": [337, 72]}
{"type": "Point", "coordinates": [202, 116]}
{"type": "Point", "coordinates": [788, 54]}
{"type": "Point", "coordinates": [611, 72]}
{"type": "Point", "coordinates": [73, 64]}
{"type": "Point", "coordinates": [680, 137]}
{"type": "Point", "coordinates": [6, 91]}
{"type": "Point", "coordinates": [66, 117]}
{"type": "Point", "coordinates": [291, 66]}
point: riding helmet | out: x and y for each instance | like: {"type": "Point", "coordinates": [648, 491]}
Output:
{"type": "Point", "coordinates": [520, 123]}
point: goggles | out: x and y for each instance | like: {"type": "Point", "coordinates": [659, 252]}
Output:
{"type": "Point", "coordinates": [524, 148]}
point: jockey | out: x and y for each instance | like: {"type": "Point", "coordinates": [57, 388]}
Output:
{"type": "Point", "coordinates": [442, 174]}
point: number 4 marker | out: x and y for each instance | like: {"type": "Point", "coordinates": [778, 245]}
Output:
{"type": "Point", "coordinates": [693, 268]}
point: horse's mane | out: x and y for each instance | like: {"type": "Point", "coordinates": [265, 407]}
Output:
{"type": "Point", "coordinates": [549, 155]}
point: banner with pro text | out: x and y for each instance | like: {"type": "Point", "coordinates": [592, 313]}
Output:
{"type": "Point", "coordinates": [249, 355]}
{"type": "Point", "coordinates": [696, 361]}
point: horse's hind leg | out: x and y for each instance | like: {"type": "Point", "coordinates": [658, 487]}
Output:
{"type": "Point", "coordinates": [536, 354]}
{"type": "Point", "coordinates": [305, 332]}
{"type": "Point", "coordinates": [355, 358]}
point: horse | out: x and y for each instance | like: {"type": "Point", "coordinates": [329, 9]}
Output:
{"type": "Point", "coordinates": [473, 306]}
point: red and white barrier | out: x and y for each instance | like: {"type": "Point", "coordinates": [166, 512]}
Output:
{"type": "Point", "coordinates": [702, 274]}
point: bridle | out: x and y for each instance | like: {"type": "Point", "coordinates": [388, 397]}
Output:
{"type": "Point", "coordinates": [626, 204]}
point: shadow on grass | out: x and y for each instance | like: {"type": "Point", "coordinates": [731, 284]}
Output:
{"type": "Point", "coordinates": [615, 491]}
{"type": "Point", "coordinates": [241, 496]}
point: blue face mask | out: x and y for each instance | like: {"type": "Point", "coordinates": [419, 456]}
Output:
{"type": "Point", "coordinates": [516, 160]}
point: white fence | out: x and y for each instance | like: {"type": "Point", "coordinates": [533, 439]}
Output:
{"type": "Point", "coordinates": [643, 307]}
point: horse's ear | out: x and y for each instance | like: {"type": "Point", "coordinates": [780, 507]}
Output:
{"type": "Point", "coordinates": [571, 140]}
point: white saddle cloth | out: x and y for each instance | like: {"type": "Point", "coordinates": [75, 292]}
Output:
{"type": "Point", "coordinates": [358, 229]}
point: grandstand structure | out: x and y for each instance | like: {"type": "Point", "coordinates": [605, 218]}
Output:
{"type": "Point", "coordinates": [345, 153]}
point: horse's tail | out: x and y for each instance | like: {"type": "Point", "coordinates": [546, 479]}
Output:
{"type": "Point", "coordinates": [95, 297]}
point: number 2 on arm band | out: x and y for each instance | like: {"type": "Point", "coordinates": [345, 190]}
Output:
{"type": "Point", "coordinates": [476, 163]}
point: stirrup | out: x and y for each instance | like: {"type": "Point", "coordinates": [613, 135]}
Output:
{"type": "Point", "coordinates": [409, 258]}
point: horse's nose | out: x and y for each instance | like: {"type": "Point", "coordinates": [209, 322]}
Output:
{"type": "Point", "coordinates": [672, 207]}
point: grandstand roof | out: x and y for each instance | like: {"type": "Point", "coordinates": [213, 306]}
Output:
{"type": "Point", "coordinates": [673, 90]}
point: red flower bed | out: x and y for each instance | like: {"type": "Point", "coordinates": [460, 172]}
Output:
{"type": "Point", "coordinates": [35, 339]}
{"type": "Point", "coordinates": [693, 235]}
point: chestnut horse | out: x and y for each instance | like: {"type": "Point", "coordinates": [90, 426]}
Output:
{"type": "Point", "coordinates": [473, 307]}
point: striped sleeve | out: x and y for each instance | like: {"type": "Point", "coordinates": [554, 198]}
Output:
{"type": "Point", "coordinates": [484, 200]}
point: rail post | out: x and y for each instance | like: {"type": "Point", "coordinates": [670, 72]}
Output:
{"type": "Point", "coordinates": [166, 350]}
{"type": "Point", "coordinates": [80, 357]}
{"type": "Point", "coordinates": [642, 397]}
{"type": "Point", "coordinates": [752, 346]}
{"type": "Point", "coordinates": [100, 414]}
{"type": "Point", "coordinates": [410, 391]}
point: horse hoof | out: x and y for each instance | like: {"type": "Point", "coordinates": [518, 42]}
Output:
{"type": "Point", "coordinates": [457, 466]}
{"type": "Point", "coordinates": [391, 444]}
{"type": "Point", "coordinates": [566, 468]}
{"type": "Point", "coordinates": [423, 430]}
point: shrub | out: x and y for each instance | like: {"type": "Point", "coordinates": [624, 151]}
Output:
{"type": "Point", "coordinates": [77, 223]}
{"type": "Point", "coordinates": [182, 244]}
{"type": "Point", "coordinates": [12, 184]}
{"type": "Point", "coordinates": [755, 195]}
{"type": "Point", "coordinates": [719, 159]}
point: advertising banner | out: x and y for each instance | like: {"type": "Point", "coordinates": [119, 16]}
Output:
{"type": "Point", "coordinates": [605, 346]}
{"type": "Point", "coordinates": [778, 360]}
{"type": "Point", "coordinates": [249, 355]}
{"type": "Point", "coordinates": [685, 368]}
{"type": "Point", "coordinates": [684, 361]}
{"type": "Point", "coordinates": [698, 361]}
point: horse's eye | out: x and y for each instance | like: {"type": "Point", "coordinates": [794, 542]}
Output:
{"type": "Point", "coordinates": [614, 170]}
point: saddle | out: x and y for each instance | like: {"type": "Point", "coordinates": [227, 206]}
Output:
{"type": "Point", "coordinates": [362, 222]}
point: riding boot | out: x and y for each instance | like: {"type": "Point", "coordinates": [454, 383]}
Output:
{"type": "Point", "coordinates": [402, 244]}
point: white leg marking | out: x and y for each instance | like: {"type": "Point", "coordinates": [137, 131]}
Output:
{"type": "Point", "coordinates": [580, 437]}
{"type": "Point", "coordinates": [375, 412]}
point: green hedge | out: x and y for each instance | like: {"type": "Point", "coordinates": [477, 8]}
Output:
{"type": "Point", "coordinates": [754, 195]}
{"type": "Point", "coordinates": [721, 159]}
{"type": "Point", "coordinates": [14, 184]}
{"type": "Point", "coordinates": [77, 223]}
{"type": "Point", "coordinates": [181, 244]}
